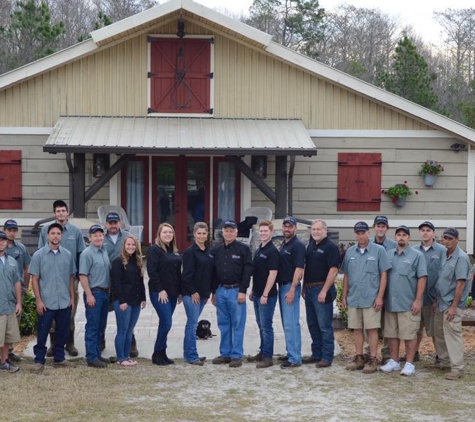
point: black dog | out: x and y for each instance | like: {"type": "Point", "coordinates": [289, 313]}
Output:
{"type": "Point", "coordinates": [204, 329]}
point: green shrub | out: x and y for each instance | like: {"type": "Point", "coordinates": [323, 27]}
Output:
{"type": "Point", "coordinates": [339, 297]}
{"type": "Point", "coordinates": [469, 301]}
{"type": "Point", "coordinates": [29, 316]}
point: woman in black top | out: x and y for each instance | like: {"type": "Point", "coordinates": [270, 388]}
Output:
{"type": "Point", "coordinates": [129, 292]}
{"type": "Point", "coordinates": [197, 274]}
{"type": "Point", "coordinates": [164, 271]}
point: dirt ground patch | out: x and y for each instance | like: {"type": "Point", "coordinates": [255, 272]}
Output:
{"type": "Point", "coordinates": [183, 392]}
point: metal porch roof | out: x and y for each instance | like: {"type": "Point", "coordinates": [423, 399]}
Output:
{"type": "Point", "coordinates": [180, 135]}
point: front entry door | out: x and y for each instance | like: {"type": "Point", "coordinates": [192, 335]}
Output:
{"type": "Point", "coordinates": [179, 196]}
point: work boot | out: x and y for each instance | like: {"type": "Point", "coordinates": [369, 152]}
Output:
{"type": "Point", "coordinates": [265, 362]}
{"type": "Point", "coordinates": [13, 357]}
{"type": "Point", "coordinates": [256, 358]}
{"type": "Point", "coordinates": [37, 368]}
{"type": "Point", "coordinates": [52, 342]}
{"type": "Point", "coordinates": [133, 348]}
{"type": "Point", "coordinates": [167, 359]}
{"type": "Point", "coordinates": [103, 344]}
{"type": "Point", "coordinates": [64, 364]}
{"type": "Point", "coordinates": [356, 364]}
{"type": "Point", "coordinates": [310, 360]}
{"type": "Point", "coordinates": [454, 375]}
{"type": "Point", "coordinates": [220, 360]}
{"type": "Point", "coordinates": [372, 366]}
{"type": "Point", "coordinates": [158, 359]}
{"type": "Point", "coordinates": [235, 363]}
{"type": "Point", "coordinates": [70, 347]}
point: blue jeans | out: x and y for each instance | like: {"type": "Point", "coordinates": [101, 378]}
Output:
{"type": "Point", "coordinates": [231, 322]}
{"type": "Point", "coordinates": [193, 312]}
{"type": "Point", "coordinates": [126, 321]}
{"type": "Point", "coordinates": [264, 317]}
{"type": "Point", "coordinates": [291, 322]}
{"type": "Point", "coordinates": [319, 320]}
{"type": "Point", "coordinates": [96, 320]}
{"type": "Point", "coordinates": [62, 319]}
{"type": "Point", "coordinates": [165, 315]}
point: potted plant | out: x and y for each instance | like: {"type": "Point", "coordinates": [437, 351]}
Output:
{"type": "Point", "coordinates": [430, 170]}
{"type": "Point", "coordinates": [398, 193]}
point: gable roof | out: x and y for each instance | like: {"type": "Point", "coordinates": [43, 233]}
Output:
{"type": "Point", "coordinates": [243, 33]}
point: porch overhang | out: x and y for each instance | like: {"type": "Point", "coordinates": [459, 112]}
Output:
{"type": "Point", "coordinates": [179, 136]}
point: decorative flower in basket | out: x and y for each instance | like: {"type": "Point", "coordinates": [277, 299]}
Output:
{"type": "Point", "coordinates": [431, 167]}
{"type": "Point", "coordinates": [398, 193]}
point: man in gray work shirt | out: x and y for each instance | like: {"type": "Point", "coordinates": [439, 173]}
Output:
{"type": "Point", "coordinates": [52, 271]}
{"type": "Point", "coordinates": [72, 240]}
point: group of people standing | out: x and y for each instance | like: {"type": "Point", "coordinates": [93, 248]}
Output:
{"type": "Point", "coordinates": [387, 284]}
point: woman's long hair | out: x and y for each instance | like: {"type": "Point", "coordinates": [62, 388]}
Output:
{"type": "Point", "coordinates": [159, 242]}
{"type": "Point", "coordinates": [125, 257]}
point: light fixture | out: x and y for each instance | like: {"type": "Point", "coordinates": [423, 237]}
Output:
{"type": "Point", "coordinates": [457, 147]}
{"type": "Point", "coordinates": [100, 164]}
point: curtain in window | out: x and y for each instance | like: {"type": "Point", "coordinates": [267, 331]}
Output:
{"type": "Point", "coordinates": [135, 193]}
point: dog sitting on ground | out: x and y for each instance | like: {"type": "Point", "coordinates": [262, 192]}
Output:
{"type": "Point", "coordinates": [203, 330]}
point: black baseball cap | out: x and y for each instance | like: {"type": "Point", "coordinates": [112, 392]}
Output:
{"type": "Point", "coordinates": [404, 229]}
{"type": "Point", "coordinates": [381, 219]}
{"type": "Point", "coordinates": [112, 216]}
{"type": "Point", "coordinates": [10, 224]}
{"type": "Point", "coordinates": [361, 226]}
{"type": "Point", "coordinates": [290, 220]}
{"type": "Point", "coordinates": [451, 232]}
{"type": "Point", "coordinates": [427, 224]}
{"type": "Point", "coordinates": [230, 223]}
{"type": "Point", "coordinates": [95, 228]}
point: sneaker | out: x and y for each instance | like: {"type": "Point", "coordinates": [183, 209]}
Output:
{"type": "Point", "coordinates": [197, 362]}
{"type": "Point", "coordinates": [97, 364]}
{"type": "Point", "coordinates": [37, 368]}
{"type": "Point", "coordinates": [235, 363]}
{"type": "Point", "coordinates": [372, 366]}
{"type": "Point", "coordinates": [454, 375]}
{"type": "Point", "coordinates": [220, 360]}
{"type": "Point", "coordinates": [265, 363]}
{"type": "Point", "coordinates": [64, 364]}
{"type": "Point", "coordinates": [356, 364]}
{"type": "Point", "coordinates": [12, 357]}
{"type": "Point", "coordinates": [8, 367]}
{"type": "Point", "coordinates": [288, 364]}
{"type": "Point", "coordinates": [391, 366]}
{"type": "Point", "coordinates": [408, 370]}
{"type": "Point", "coordinates": [323, 364]}
{"type": "Point", "coordinates": [256, 358]}
{"type": "Point", "coordinates": [309, 360]}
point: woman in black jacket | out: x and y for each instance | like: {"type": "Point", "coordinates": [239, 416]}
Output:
{"type": "Point", "coordinates": [198, 264]}
{"type": "Point", "coordinates": [129, 293]}
{"type": "Point", "coordinates": [164, 271]}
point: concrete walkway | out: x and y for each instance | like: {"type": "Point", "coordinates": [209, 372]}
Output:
{"type": "Point", "coordinates": [146, 332]}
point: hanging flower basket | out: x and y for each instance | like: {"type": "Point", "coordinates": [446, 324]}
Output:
{"type": "Point", "coordinates": [399, 193]}
{"type": "Point", "coordinates": [429, 179]}
{"type": "Point", "coordinates": [430, 170]}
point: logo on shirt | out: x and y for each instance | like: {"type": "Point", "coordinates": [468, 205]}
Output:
{"type": "Point", "coordinates": [320, 251]}
{"type": "Point", "coordinates": [287, 252]}
{"type": "Point", "coordinates": [211, 256]}
{"type": "Point", "coordinates": [371, 258]}
{"type": "Point", "coordinates": [235, 257]}
{"type": "Point", "coordinates": [262, 256]}
{"type": "Point", "coordinates": [71, 237]}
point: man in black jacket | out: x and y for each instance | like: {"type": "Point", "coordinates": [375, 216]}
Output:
{"type": "Point", "coordinates": [232, 274]}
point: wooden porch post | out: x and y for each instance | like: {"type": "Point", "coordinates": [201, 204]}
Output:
{"type": "Point", "coordinates": [281, 186]}
{"type": "Point", "coordinates": [79, 185]}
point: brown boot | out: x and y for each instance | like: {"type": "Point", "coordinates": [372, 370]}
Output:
{"type": "Point", "coordinates": [52, 342]}
{"type": "Point", "coordinates": [356, 364]}
{"type": "Point", "coordinates": [70, 347]}
{"type": "Point", "coordinates": [372, 366]}
{"type": "Point", "coordinates": [133, 348]}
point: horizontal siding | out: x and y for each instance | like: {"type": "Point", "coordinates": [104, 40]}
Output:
{"type": "Point", "coordinates": [45, 178]}
{"type": "Point", "coordinates": [248, 83]}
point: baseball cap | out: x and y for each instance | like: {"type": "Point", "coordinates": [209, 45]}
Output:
{"type": "Point", "coordinates": [229, 223]}
{"type": "Point", "coordinates": [290, 220]}
{"type": "Point", "coordinates": [451, 232]}
{"type": "Point", "coordinates": [3, 235]}
{"type": "Point", "coordinates": [10, 224]}
{"type": "Point", "coordinates": [404, 229]}
{"type": "Point", "coordinates": [427, 224]}
{"type": "Point", "coordinates": [112, 216]}
{"type": "Point", "coordinates": [95, 228]}
{"type": "Point", "coordinates": [381, 219]}
{"type": "Point", "coordinates": [361, 226]}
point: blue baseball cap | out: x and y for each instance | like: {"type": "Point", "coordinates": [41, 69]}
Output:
{"type": "Point", "coordinates": [290, 220]}
{"type": "Point", "coordinates": [427, 224]}
{"type": "Point", "coordinates": [361, 226]}
{"type": "Point", "coordinates": [229, 223]}
{"type": "Point", "coordinates": [10, 224]}
{"type": "Point", "coordinates": [404, 229]}
{"type": "Point", "coordinates": [3, 235]}
{"type": "Point", "coordinates": [95, 228]}
{"type": "Point", "coordinates": [112, 216]}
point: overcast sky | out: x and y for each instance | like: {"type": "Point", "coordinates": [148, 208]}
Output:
{"type": "Point", "coordinates": [417, 13]}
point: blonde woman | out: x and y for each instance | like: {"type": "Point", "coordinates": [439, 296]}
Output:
{"type": "Point", "coordinates": [129, 292]}
{"type": "Point", "coordinates": [164, 271]}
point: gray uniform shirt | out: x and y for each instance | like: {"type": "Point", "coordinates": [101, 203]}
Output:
{"type": "Point", "coordinates": [456, 267]}
{"type": "Point", "coordinates": [71, 239]}
{"type": "Point", "coordinates": [54, 271]}
{"type": "Point", "coordinates": [363, 271]}
{"type": "Point", "coordinates": [8, 278]}
{"type": "Point", "coordinates": [407, 268]}
{"type": "Point", "coordinates": [434, 257]}
{"type": "Point", "coordinates": [113, 249]}
{"type": "Point", "coordinates": [388, 243]}
{"type": "Point", "coordinates": [19, 252]}
{"type": "Point", "coordinates": [94, 263]}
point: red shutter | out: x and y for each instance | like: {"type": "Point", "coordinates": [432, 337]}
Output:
{"type": "Point", "coordinates": [10, 180]}
{"type": "Point", "coordinates": [191, 94]}
{"type": "Point", "coordinates": [359, 182]}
